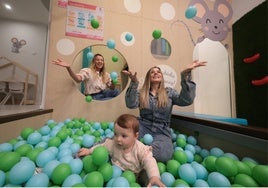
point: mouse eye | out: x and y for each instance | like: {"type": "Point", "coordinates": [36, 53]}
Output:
{"type": "Point", "coordinates": [208, 21]}
{"type": "Point", "coordinates": [221, 21]}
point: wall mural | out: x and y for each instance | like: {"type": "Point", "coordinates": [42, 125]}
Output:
{"type": "Point", "coordinates": [214, 79]}
{"type": "Point", "coordinates": [213, 95]}
{"type": "Point", "coordinates": [17, 44]}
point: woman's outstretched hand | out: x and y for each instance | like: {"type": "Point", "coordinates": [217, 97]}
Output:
{"type": "Point", "coordinates": [133, 77]}
{"type": "Point", "coordinates": [195, 64]}
{"type": "Point", "coordinates": [60, 63]}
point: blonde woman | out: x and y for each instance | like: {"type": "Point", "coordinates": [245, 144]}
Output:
{"type": "Point", "coordinates": [98, 82]}
{"type": "Point", "coordinates": [155, 104]}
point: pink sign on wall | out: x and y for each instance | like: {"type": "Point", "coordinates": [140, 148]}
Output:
{"type": "Point", "coordinates": [78, 23]}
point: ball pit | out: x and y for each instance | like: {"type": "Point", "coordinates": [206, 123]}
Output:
{"type": "Point", "coordinates": [47, 157]}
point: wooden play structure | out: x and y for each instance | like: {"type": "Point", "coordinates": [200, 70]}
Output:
{"type": "Point", "coordinates": [15, 83]}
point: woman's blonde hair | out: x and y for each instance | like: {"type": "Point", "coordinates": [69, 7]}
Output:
{"type": "Point", "coordinates": [145, 91]}
{"type": "Point", "coordinates": [102, 71]}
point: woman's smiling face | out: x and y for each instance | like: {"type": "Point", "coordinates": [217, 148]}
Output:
{"type": "Point", "coordinates": [156, 75]}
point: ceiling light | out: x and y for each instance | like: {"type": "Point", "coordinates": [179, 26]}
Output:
{"type": "Point", "coordinates": [8, 7]}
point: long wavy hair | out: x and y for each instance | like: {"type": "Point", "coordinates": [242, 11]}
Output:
{"type": "Point", "coordinates": [145, 91]}
{"type": "Point", "coordinates": [101, 72]}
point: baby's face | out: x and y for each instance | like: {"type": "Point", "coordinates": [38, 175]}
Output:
{"type": "Point", "coordinates": [124, 138]}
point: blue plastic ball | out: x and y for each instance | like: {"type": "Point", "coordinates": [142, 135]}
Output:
{"type": "Point", "coordinates": [72, 180]}
{"type": "Point", "coordinates": [190, 156]}
{"type": "Point", "coordinates": [190, 12]}
{"type": "Point", "coordinates": [45, 130]}
{"type": "Point", "coordinates": [75, 147]}
{"type": "Point", "coordinates": [96, 125]}
{"type": "Point", "coordinates": [190, 148]}
{"type": "Point", "coordinates": [200, 170]}
{"type": "Point", "coordinates": [34, 138]}
{"type": "Point", "coordinates": [120, 182]}
{"type": "Point", "coordinates": [2, 178]}
{"type": "Point", "coordinates": [90, 56]}
{"type": "Point", "coordinates": [187, 173]}
{"type": "Point", "coordinates": [64, 152]}
{"type": "Point", "coordinates": [44, 157]}
{"type": "Point", "coordinates": [148, 139]}
{"type": "Point", "coordinates": [114, 75]}
{"type": "Point", "coordinates": [88, 140]}
{"type": "Point", "coordinates": [204, 153]}
{"type": "Point", "coordinates": [116, 171]}
{"type": "Point", "coordinates": [6, 147]}
{"type": "Point", "coordinates": [76, 165]}
{"type": "Point", "coordinates": [21, 172]}
{"type": "Point", "coordinates": [167, 178]}
{"type": "Point", "coordinates": [49, 167]}
{"type": "Point", "coordinates": [200, 183]}
{"type": "Point", "coordinates": [192, 140]}
{"type": "Point", "coordinates": [38, 180]}
{"type": "Point", "coordinates": [111, 44]}
{"type": "Point", "coordinates": [128, 37]}
{"type": "Point", "coordinates": [217, 152]}
{"type": "Point", "coordinates": [216, 179]}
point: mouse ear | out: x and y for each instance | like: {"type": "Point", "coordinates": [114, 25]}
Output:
{"type": "Point", "coordinates": [224, 8]}
{"type": "Point", "coordinates": [14, 40]}
{"type": "Point", "coordinates": [22, 42]}
{"type": "Point", "coordinates": [201, 8]}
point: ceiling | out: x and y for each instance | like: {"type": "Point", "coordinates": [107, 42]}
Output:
{"type": "Point", "coordinates": [26, 10]}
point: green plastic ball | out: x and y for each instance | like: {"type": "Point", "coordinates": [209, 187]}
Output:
{"type": "Point", "coordinates": [100, 155]}
{"type": "Point", "coordinates": [60, 173]}
{"type": "Point", "coordinates": [135, 184]}
{"type": "Point", "coordinates": [245, 180]}
{"type": "Point", "coordinates": [157, 34]}
{"type": "Point", "coordinates": [24, 149]}
{"type": "Point", "coordinates": [180, 182]}
{"type": "Point", "coordinates": [115, 58]}
{"type": "Point", "coordinates": [180, 156]}
{"type": "Point", "coordinates": [88, 164]}
{"type": "Point", "coordinates": [161, 167]}
{"type": "Point", "coordinates": [243, 168]}
{"type": "Point", "coordinates": [26, 132]}
{"type": "Point", "coordinates": [54, 141]}
{"type": "Point", "coordinates": [198, 158]}
{"type": "Point", "coordinates": [32, 155]}
{"type": "Point", "coordinates": [129, 175]}
{"type": "Point", "coordinates": [62, 134]}
{"type": "Point", "coordinates": [209, 163]}
{"type": "Point", "coordinates": [8, 160]}
{"type": "Point", "coordinates": [88, 98]}
{"type": "Point", "coordinates": [181, 142]}
{"type": "Point", "coordinates": [226, 166]}
{"type": "Point", "coordinates": [94, 179]}
{"type": "Point", "coordinates": [173, 167]}
{"type": "Point", "coordinates": [107, 171]}
{"type": "Point", "coordinates": [260, 174]}
{"type": "Point", "coordinates": [95, 23]}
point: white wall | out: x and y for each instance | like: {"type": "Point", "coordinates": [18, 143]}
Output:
{"type": "Point", "coordinates": [241, 7]}
{"type": "Point", "coordinates": [32, 55]}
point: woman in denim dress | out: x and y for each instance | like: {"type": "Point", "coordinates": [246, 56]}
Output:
{"type": "Point", "coordinates": [155, 104]}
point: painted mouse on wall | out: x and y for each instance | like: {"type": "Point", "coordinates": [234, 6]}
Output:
{"type": "Point", "coordinates": [214, 23]}
{"type": "Point", "coordinates": [213, 95]}
{"type": "Point", "coordinates": [16, 44]}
